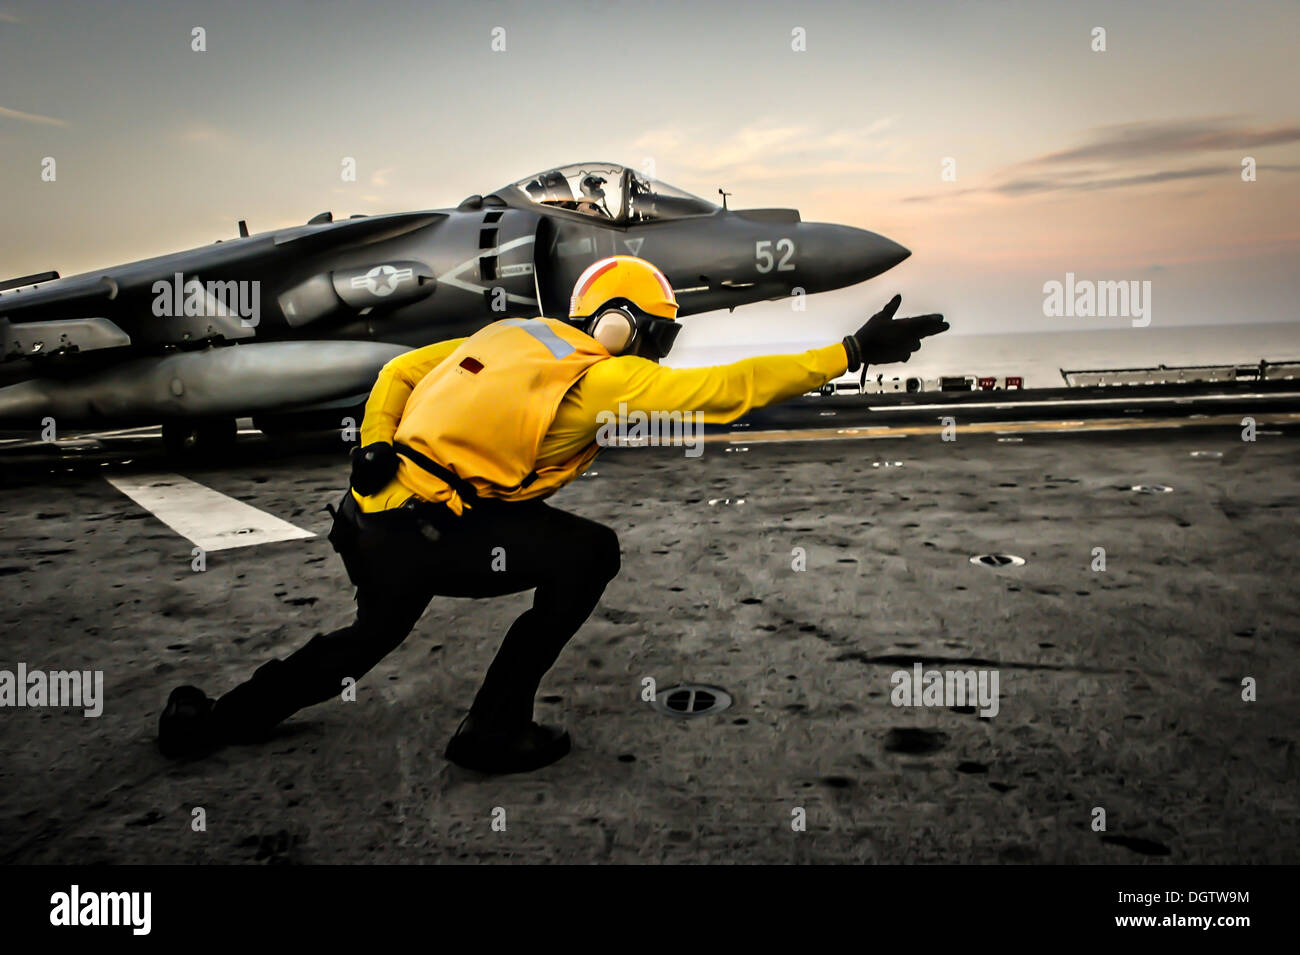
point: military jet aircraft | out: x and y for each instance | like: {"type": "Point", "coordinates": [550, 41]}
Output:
{"type": "Point", "coordinates": [289, 325]}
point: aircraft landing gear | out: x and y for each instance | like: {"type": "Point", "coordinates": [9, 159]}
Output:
{"type": "Point", "coordinates": [199, 437]}
{"type": "Point", "coordinates": [330, 425]}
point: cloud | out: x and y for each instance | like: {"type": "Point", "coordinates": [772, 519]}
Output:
{"type": "Point", "coordinates": [10, 17]}
{"type": "Point", "coordinates": [1114, 151]}
{"type": "Point", "coordinates": [1125, 141]}
{"type": "Point", "coordinates": [203, 134]}
{"type": "Point", "coordinates": [30, 117]}
{"type": "Point", "coordinates": [772, 151]}
{"type": "Point", "coordinates": [1020, 187]}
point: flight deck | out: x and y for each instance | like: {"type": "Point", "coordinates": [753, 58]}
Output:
{"type": "Point", "coordinates": [1120, 687]}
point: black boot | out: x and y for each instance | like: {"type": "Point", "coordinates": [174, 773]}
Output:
{"type": "Point", "coordinates": [485, 749]}
{"type": "Point", "coordinates": [186, 728]}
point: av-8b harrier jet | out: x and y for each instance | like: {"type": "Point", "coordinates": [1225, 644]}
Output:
{"type": "Point", "coordinates": [293, 325]}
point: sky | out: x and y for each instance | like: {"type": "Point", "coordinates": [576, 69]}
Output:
{"type": "Point", "coordinates": [1115, 165]}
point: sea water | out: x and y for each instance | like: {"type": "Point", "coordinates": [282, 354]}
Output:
{"type": "Point", "coordinates": [1039, 357]}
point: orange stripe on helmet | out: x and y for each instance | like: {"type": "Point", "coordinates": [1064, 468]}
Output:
{"type": "Point", "coordinates": [596, 271]}
{"type": "Point", "coordinates": [663, 282]}
{"type": "Point", "coordinates": [633, 281]}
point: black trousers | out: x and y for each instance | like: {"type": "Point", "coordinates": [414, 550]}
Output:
{"type": "Point", "coordinates": [399, 560]}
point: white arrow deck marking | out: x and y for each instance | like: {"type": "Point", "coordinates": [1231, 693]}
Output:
{"type": "Point", "coordinates": [212, 520]}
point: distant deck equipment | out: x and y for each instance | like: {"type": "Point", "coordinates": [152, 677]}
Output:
{"type": "Point", "coordinates": [1182, 374]}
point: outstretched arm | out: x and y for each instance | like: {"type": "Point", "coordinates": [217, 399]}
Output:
{"type": "Point", "coordinates": [725, 392]}
{"type": "Point", "coordinates": [722, 393]}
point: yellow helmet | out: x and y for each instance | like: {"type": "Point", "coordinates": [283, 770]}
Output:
{"type": "Point", "coordinates": [623, 276]}
{"type": "Point", "coordinates": [627, 305]}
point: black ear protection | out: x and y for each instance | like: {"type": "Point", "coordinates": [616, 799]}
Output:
{"type": "Point", "coordinates": [624, 329]}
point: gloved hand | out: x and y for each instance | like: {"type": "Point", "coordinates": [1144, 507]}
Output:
{"type": "Point", "coordinates": [373, 467]}
{"type": "Point", "coordinates": [885, 339]}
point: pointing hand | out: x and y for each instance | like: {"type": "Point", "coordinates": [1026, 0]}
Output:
{"type": "Point", "coordinates": [885, 339]}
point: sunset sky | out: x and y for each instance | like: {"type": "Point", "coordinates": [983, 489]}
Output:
{"type": "Point", "coordinates": [1115, 165]}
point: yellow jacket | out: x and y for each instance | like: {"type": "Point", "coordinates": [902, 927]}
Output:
{"type": "Point", "coordinates": [721, 393]}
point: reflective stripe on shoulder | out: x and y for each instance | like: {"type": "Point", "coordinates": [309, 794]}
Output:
{"type": "Point", "coordinates": [557, 346]}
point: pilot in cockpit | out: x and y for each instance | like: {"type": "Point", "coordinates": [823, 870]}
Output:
{"type": "Point", "coordinates": [593, 197]}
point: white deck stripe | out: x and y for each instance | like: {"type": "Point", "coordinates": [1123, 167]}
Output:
{"type": "Point", "coordinates": [212, 520]}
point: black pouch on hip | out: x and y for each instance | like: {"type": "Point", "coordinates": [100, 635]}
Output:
{"type": "Point", "coordinates": [345, 535]}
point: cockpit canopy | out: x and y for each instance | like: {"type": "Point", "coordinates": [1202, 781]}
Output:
{"type": "Point", "coordinates": [609, 191]}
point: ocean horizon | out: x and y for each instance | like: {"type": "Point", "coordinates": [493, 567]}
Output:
{"type": "Point", "coordinates": [1040, 357]}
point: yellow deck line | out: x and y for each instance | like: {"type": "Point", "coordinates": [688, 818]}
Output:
{"type": "Point", "coordinates": [1000, 427]}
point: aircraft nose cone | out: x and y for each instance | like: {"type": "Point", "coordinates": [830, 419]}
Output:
{"type": "Point", "coordinates": [837, 255]}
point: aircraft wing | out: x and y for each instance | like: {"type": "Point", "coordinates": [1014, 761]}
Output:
{"type": "Point", "coordinates": [81, 293]}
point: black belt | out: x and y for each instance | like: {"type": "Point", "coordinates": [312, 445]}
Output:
{"type": "Point", "coordinates": [454, 481]}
